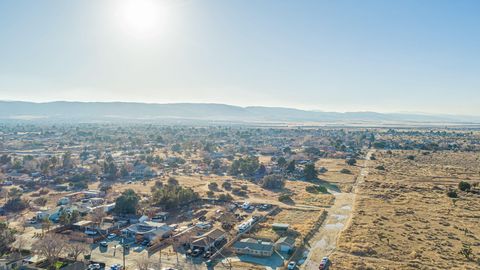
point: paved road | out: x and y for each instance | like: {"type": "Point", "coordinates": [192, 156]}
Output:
{"type": "Point", "coordinates": [324, 242]}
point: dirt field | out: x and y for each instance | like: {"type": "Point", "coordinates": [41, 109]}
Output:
{"type": "Point", "coordinates": [403, 219]}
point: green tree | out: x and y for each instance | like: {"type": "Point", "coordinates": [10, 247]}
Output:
{"type": "Point", "coordinates": [464, 186]}
{"type": "Point", "coordinates": [351, 161]}
{"type": "Point", "coordinates": [273, 182]}
{"type": "Point", "coordinates": [281, 162]}
{"type": "Point", "coordinates": [291, 167]}
{"type": "Point", "coordinates": [127, 203]}
{"type": "Point", "coordinates": [309, 172]}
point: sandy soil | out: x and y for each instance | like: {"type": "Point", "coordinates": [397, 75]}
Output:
{"type": "Point", "coordinates": [403, 219]}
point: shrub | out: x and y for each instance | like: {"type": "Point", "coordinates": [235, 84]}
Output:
{"type": "Point", "coordinates": [244, 187]}
{"type": "Point", "coordinates": [273, 182]}
{"type": "Point", "coordinates": [239, 192]}
{"type": "Point", "coordinates": [285, 198]}
{"type": "Point", "coordinates": [210, 194]}
{"type": "Point", "coordinates": [212, 186]}
{"type": "Point", "coordinates": [225, 197]}
{"type": "Point", "coordinates": [227, 185]}
{"type": "Point", "coordinates": [316, 189]}
{"type": "Point", "coordinates": [351, 161]}
{"type": "Point", "coordinates": [381, 168]}
{"type": "Point", "coordinates": [40, 201]}
{"type": "Point", "coordinates": [464, 186]}
{"type": "Point", "coordinates": [345, 171]}
{"type": "Point", "coordinates": [322, 170]}
{"type": "Point", "coordinates": [15, 205]}
{"type": "Point", "coordinates": [452, 194]}
{"type": "Point", "coordinates": [410, 157]}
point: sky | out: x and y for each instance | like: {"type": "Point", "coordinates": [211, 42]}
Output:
{"type": "Point", "coordinates": [335, 55]}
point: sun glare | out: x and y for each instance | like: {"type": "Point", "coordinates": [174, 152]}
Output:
{"type": "Point", "coordinates": [141, 18]}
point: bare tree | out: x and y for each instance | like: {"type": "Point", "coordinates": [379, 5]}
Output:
{"type": "Point", "coordinates": [51, 247]}
{"type": "Point", "coordinates": [97, 216]}
{"type": "Point", "coordinates": [144, 263]}
{"type": "Point", "coordinates": [75, 249]}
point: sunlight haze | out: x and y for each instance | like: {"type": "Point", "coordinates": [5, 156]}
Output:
{"type": "Point", "coordinates": [383, 56]}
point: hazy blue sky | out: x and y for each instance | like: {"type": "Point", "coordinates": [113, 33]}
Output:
{"type": "Point", "coordinates": [420, 56]}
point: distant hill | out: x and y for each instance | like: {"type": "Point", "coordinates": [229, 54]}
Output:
{"type": "Point", "coordinates": [121, 111]}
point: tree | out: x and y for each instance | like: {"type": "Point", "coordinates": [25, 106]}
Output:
{"type": "Point", "coordinates": [351, 161]}
{"type": "Point", "coordinates": [172, 196]}
{"type": "Point", "coordinates": [227, 185]}
{"type": "Point", "coordinates": [464, 186]}
{"type": "Point", "coordinates": [213, 186]}
{"type": "Point", "coordinates": [273, 182]}
{"type": "Point", "coordinates": [309, 172]}
{"type": "Point", "coordinates": [281, 162]}
{"type": "Point", "coordinates": [225, 197]}
{"type": "Point", "coordinates": [67, 160]}
{"type": "Point", "coordinates": [291, 167]}
{"type": "Point", "coordinates": [6, 237]}
{"type": "Point", "coordinates": [51, 247]}
{"type": "Point", "coordinates": [172, 181]}
{"type": "Point", "coordinates": [14, 193]}
{"type": "Point", "coordinates": [15, 205]}
{"type": "Point", "coordinates": [246, 166]}
{"type": "Point", "coordinates": [75, 249]}
{"type": "Point", "coordinates": [127, 203]}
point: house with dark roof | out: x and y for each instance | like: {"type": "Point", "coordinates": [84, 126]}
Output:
{"type": "Point", "coordinates": [208, 239]}
{"type": "Point", "coordinates": [254, 247]}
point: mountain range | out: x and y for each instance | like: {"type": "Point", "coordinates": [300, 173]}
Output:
{"type": "Point", "coordinates": [128, 111]}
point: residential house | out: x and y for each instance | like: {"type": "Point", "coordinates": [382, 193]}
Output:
{"type": "Point", "coordinates": [285, 244]}
{"type": "Point", "coordinates": [208, 240]}
{"type": "Point", "coordinates": [254, 247]}
{"type": "Point", "coordinates": [149, 230]}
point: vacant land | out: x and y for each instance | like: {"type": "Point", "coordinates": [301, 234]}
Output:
{"type": "Point", "coordinates": [403, 218]}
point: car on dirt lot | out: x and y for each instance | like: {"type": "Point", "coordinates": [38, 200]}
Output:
{"type": "Point", "coordinates": [324, 264]}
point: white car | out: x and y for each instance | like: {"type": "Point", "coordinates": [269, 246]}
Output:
{"type": "Point", "coordinates": [89, 232]}
{"type": "Point", "coordinates": [292, 265]}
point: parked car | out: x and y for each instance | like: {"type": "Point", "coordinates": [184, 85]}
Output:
{"type": "Point", "coordinates": [104, 244]}
{"type": "Point", "coordinates": [292, 265]}
{"type": "Point", "coordinates": [324, 264]}
{"type": "Point", "coordinates": [116, 267]}
{"type": "Point", "coordinates": [207, 254]}
{"type": "Point", "coordinates": [111, 236]}
{"type": "Point", "coordinates": [94, 266]}
{"type": "Point", "coordinates": [196, 252]}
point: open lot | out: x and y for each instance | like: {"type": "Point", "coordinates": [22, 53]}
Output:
{"type": "Point", "coordinates": [403, 218]}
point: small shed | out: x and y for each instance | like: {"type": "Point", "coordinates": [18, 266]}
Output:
{"type": "Point", "coordinates": [280, 226]}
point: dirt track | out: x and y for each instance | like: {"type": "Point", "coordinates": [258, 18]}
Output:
{"type": "Point", "coordinates": [339, 215]}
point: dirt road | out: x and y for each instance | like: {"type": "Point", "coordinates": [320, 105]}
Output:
{"type": "Point", "coordinates": [339, 215]}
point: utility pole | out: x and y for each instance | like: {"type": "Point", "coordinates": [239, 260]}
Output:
{"type": "Point", "coordinates": [123, 245]}
{"type": "Point", "coordinates": [160, 258]}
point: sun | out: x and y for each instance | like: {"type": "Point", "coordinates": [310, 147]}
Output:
{"type": "Point", "coordinates": [141, 18]}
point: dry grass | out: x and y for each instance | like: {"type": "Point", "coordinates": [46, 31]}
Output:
{"type": "Point", "coordinates": [403, 218]}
